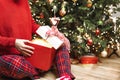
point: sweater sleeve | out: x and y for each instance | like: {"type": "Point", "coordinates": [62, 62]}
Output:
{"type": "Point", "coordinates": [7, 42]}
{"type": "Point", "coordinates": [34, 26]}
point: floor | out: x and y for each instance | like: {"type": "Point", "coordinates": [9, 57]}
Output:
{"type": "Point", "coordinates": [107, 69]}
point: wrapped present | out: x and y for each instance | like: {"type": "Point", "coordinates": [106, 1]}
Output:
{"type": "Point", "coordinates": [89, 59]}
{"type": "Point", "coordinates": [43, 54]}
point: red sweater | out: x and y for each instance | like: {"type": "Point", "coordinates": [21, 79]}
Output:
{"type": "Point", "coordinates": [15, 23]}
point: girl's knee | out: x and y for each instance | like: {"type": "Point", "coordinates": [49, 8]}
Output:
{"type": "Point", "coordinates": [15, 66]}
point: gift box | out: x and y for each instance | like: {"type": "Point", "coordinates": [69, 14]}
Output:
{"type": "Point", "coordinates": [89, 59]}
{"type": "Point", "coordinates": [43, 54]}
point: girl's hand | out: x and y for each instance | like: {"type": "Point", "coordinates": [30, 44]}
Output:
{"type": "Point", "coordinates": [23, 48]}
{"type": "Point", "coordinates": [54, 31]}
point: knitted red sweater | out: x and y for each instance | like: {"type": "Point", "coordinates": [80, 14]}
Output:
{"type": "Point", "coordinates": [15, 22]}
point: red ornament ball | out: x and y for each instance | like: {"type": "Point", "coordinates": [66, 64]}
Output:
{"type": "Point", "coordinates": [97, 32]}
{"type": "Point", "coordinates": [41, 15]}
{"type": "Point", "coordinates": [89, 42]}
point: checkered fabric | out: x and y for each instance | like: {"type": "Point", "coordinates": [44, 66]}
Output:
{"type": "Point", "coordinates": [63, 62]}
{"type": "Point", "coordinates": [16, 67]}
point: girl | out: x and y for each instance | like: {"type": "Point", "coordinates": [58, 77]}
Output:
{"type": "Point", "coordinates": [16, 28]}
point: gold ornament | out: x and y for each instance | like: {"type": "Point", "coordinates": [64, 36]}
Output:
{"type": "Point", "coordinates": [74, 1]}
{"type": "Point", "coordinates": [86, 36]}
{"type": "Point", "coordinates": [62, 12]}
{"type": "Point", "coordinates": [50, 1]}
{"type": "Point", "coordinates": [89, 3]}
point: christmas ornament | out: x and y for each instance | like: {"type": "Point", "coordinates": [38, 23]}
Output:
{"type": "Point", "coordinates": [86, 36]}
{"type": "Point", "coordinates": [89, 3]}
{"type": "Point", "coordinates": [74, 1]}
{"type": "Point", "coordinates": [50, 1]}
{"type": "Point", "coordinates": [79, 39]}
{"type": "Point", "coordinates": [97, 32]}
{"type": "Point", "coordinates": [41, 15]}
{"type": "Point", "coordinates": [104, 53]}
{"type": "Point", "coordinates": [89, 42]}
{"type": "Point", "coordinates": [100, 22]}
{"type": "Point", "coordinates": [62, 12]}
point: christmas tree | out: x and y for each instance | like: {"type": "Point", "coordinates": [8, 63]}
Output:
{"type": "Point", "coordinates": [88, 24]}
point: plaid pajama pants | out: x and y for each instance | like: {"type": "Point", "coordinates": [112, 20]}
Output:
{"type": "Point", "coordinates": [18, 67]}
